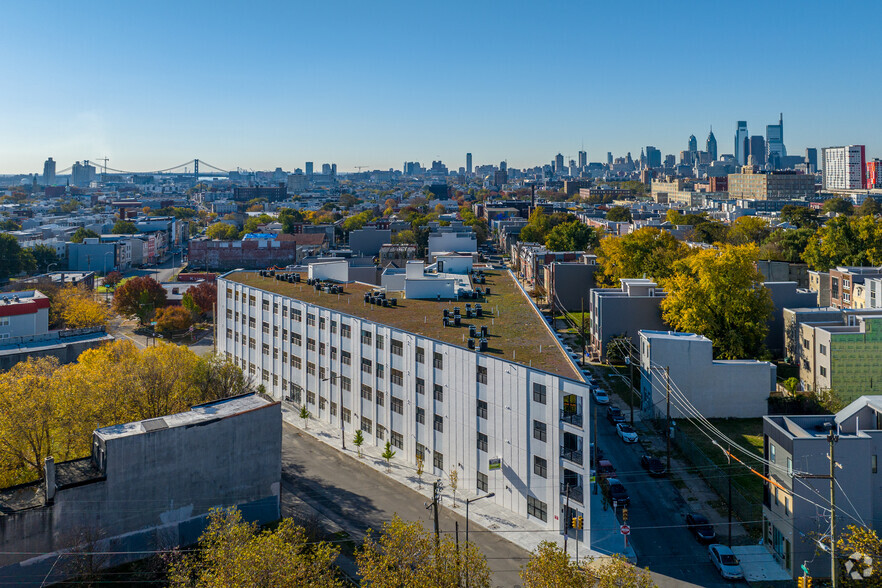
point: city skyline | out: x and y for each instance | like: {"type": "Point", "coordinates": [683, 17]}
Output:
{"type": "Point", "coordinates": [279, 84]}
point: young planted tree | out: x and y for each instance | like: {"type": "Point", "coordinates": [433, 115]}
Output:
{"type": "Point", "coordinates": [453, 476]}
{"type": "Point", "coordinates": [358, 441]}
{"type": "Point", "coordinates": [304, 415]}
{"type": "Point", "coordinates": [388, 454]}
{"type": "Point", "coordinates": [173, 319]}
{"type": "Point", "coordinates": [420, 464]}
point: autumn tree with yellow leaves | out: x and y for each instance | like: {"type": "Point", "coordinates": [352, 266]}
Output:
{"type": "Point", "coordinates": [78, 308]}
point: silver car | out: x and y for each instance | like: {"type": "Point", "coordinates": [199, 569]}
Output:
{"type": "Point", "coordinates": [725, 562]}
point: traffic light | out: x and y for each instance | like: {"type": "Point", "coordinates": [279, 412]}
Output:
{"type": "Point", "coordinates": [577, 522]}
{"type": "Point", "coordinates": [804, 582]}
{"type": "Point", "coordinates": [625, 514]}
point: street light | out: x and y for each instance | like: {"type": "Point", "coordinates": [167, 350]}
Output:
{"type": "Point", "coordinates": [50, 265]}
{"type": "Point", "coordinates": [468, 502]}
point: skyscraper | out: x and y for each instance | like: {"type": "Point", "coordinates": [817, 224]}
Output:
{"type": "Point", "coordinates": [49, 172]}
{"type": "Point", "coordinates": [468, 163]}
{"type": "Point", "coordinates": [583, 158]}
{"type": "Point", "coordinates": [757, 149]}
{"type": "Point", "coordinates": [775, 149]}
{"type": "Point", "coordinates": [653, 157]}
{"type": "Point", "coordinates": [740, 138]}
{"type": "Point", "coordinates": [712, 145]}
{"type": "Point", "coordinates": [693, 143]}
{"type": "Point", "coordinates": [309, 168]}
{"type": "Point", "coordinates": [845, 168]}
{"type": "Point", "coordinates": [811, 158]}
{"type": "Point", "coordinates": [609, 158]}
{"type": "Point", "coordinates": [559, 164]}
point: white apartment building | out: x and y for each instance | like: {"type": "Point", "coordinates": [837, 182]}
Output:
{"type": "Point", "coordinates": [844, 167]}
{"type": "Point", "coordinates": [509, 420]}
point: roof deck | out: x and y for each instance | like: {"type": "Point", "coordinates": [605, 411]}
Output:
{"type": "Point", "coordinates": [516, 331]}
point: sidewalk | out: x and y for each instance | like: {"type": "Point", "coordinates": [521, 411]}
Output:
{"type": "Point", "coordinates": [519, 530]}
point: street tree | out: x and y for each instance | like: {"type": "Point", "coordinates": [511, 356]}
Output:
{"type": "Point", "coordinates": [204, 295]}
{"type": "Point", "coordinates": [861, 542]}
{"type": "Point", "coordinates": [710, 232]}
{"type": "Point", "coordinates": [234, 553]}
{"type": "Point", "coordinates": [720, 294]}
{"type": "Point", "coordinates": [139, 297]}
{"type": "Point", "coordinates": [388, 454]}
{"type": "Point", "coordinates": [304, 416]}
{"type": "Point", "coordinates": [748, 229]}
{"type": "Point", "coordinates": [173, 319]}
{"type": "Point", "coordinates": [112, 279]}
{"type": "Point", "coordinates": [537, 227]}
{"type": "Point", "coordinates": [358, 441]}
{"type": "Point", "coordinates": [13, 259]}
{"type": "Point", "coordinates": [420, 464]}
{"type": "Point", "coordinates": [453, 478]}
{"type": "Point", "coordinates": [800, 216]}
{"type": "Point", "coordinates": [406, 555]}
{"type": "Point", "coordinates": [869, 207]}
{"type": "Point", "coordinates": [550, 567]}
{"type": "Point", "coordinates": [78, 308]}
{"type": "Point", "coordinates": [647, 252]}
{"type": "Point", "coordinates": [617, 572]}
{"type": "Point", "coordinates": [44, 256]}
{"type": "Point", "coordinates": [845, 241]}
{"type": "Point", "coordinates": [572, 236]}
{"type": "Point", "coordinates": [81, 234]}
{"type": "Point", "coordinates": [786, 245]}
{"type": "Point", "coordinates": [222, 231]}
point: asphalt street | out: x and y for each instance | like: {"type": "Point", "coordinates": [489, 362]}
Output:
{"type": "Point", "coordinates": [656, 515]}
{"type": "Point", "coordinates": [356, 498]}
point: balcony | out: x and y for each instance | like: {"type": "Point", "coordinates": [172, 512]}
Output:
{"type": "Point", "coordinates": [573, 455]}
{"type": "Point", "coordinates": [575, 492]}
{"type": "Point", "coordinates": [573, 418]}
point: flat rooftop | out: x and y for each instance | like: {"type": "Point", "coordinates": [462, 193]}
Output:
{"type": "Point", "coordinates": [516, 332]}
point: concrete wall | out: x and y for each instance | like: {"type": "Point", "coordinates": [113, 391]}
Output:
{"type": "Point", "coordinates": [455, 264]}
{"type": "Point", "coordinates": [337, 271]}
{"type": "Point", "coordinates": [453, 241]}
{"type": "Point", "coordinates": [425, 288]}
{"type": "Point", "coordinates": [153, 491]}
{"type": "Point", "coordinates": [782, 271]}
{"type": "Point", "coordinates": [393, 280]}
{"type": "Point", "coordinates": [368, 241]}
{"type": "Point", "coordinates": [65, 350]}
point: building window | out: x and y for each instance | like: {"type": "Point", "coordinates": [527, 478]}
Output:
{"type": "Point", "coordinates": [822, 349]}
{"type": "Point", "coordinates": [420, 355]}
{"type": "Point", "coordinates": [381, 398]}
{"type": "Point", "coordinates": [347, 415]}
{"type": "Point", "coordinates": [310, 320]}
{"type": "Point", "coordinates": [346, 384]}
{"type": "Point", "coordinates": [397, 377]}
{"type": "Point", "coordinates": [537, 508]}
{"type": "Point", "coordinates": [265, 305]}
{"type": "Point", "coordinates": [310, 397]}
{"type": "Point", "coordinates": [346, 331]}
{"type": "Point", "coordinates": [366, 337]}
{"type": "Point", "coordinates": [366, 392]}
{"type": "Point", "coordinates": [229, 292]}
{"type": "Point", "coordinates": [345, 358]}
{"type": "Point", "coordinates": [771, 453]}
{"type": "Point", "coordinates": [381, 432]}
{"type": "Point", "coordinates": [438, 361]}
{"type": "Point", "coordinates": [322, 349]}
{"type": "Point", "coordinates": [540, 431]}
{"type": "Point", "coordinates": [482, 482]}
{"type": "Point", "coordinates": [284, 334]}
{"type": "Point", "coordinates": [366, 365]}
{"type": "Point", "coordinates": [296, 315]}
{"type": "Point", "coordinates": [439, 423]}
{"type": "Point", "coordinates": [310, 344]}
{"type": "Point", "coordinates": [823, 371]}
{"type": "Point", "coordinates": [420, 416]}
{"type": "Point", "coordinates": [252, 322]}
{"type": "Point", "coordinates": [296, 339]}
{"type": "Point", "coordinates": [252, 301]}
{"type": "Point", "coordinates": [284, 312]}
{"type": "Point", "coordinates": [366, 425]}
{"type": "Point", "coordinates": [539, 393]}
{"type": "Point", "coordinates": [381, 371]}
{"type": "Point", "coordinates": [397, 347]}
{"type": "Point", "coordinates": [873, 464]}
{"type": "Point", "coordinates": [284, 357]}
{"type": "Point", "coordinates": [380, 342]}
{"type": "Point", "coordinates": [333, 353]}
{"type": "Point", "coordinates": [333, 409]}
{"type": "Point", "coordinates": [322, 322]}
{"type": "Point", "coordinates": [275, 331]}
{"type": "Point", "coordinates": [229, 333]}
{"type": "Point", "coordinates": [439, 393]}
{"type": "Point", "coordinates": [333, 327]}
{"type": "Point", "coordinates": [265, 376]}
{"type": "Point", "coordinates": [789, 466]}
{"type": "Point", "coordinates": [438, 460]}
{"type": "Point", "coordinates": [323, 403]}
{"type": "Point", "coordinates": [482, 375]}
{"type": "Point", "coordinates": [265, 328]}
{"type": "Point", "coordinates": [296, 362]}
{"type": "Point", "coordinates": [310, 368]}
{"type": "Point", "coordinates": [420, 386]}
{"type": "Point", "coordinates": [229, 314]}
{"type": "Point", "coordinates": [397, 440]}
{"type": "Point", "coordinates": [482, 409]}
{"type": "Point", "coordinates": [482, 442]}
{"type": "Point", "coordinates": [421, 451]}
{"type": "Point", "coordinates": [266, 348]}
{"type": "Point", "coordinates": [540, 467]}
{"type": "Point", "coordinates": [397, 405]}
{"type": "Point", "coordinates": [252, 343]}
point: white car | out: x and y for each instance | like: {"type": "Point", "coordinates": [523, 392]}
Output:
{"type": "Point", "coordinates": [600, 396]}
{"type": "Point", "coordinates": [626, 432]}
{"type": "Point", "coordinates": [725, 562]}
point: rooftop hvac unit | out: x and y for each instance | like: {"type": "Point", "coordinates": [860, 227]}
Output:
{"type": "Point", "coordinates": [471, 343]}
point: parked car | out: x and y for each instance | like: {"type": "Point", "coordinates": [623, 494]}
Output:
{"type": "Point", "coordinates": [725, 562]}
{"type": "Point", "coordinates": [626, 433]}
{"type": "Point", "coordinates": [605, 469]}
{"type": "Point", "coordinates": [614, 415]}
{"type": "Point", "coordinates": [615, 491]}
{"type": "Point", "coordinates": [699, 526]}
{"type": "Point", "coordinates": [589, 377]}
{"type": "Point", "coordinates": [600, 396]}
{"type": "Point", "coordinates": [653, 465]}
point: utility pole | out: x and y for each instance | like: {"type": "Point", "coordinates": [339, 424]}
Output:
{"type": "Point", "coordinates": [729, 458]}
{"type": "Point", "coordinates": [566, 518]}
{"type": "Point", "coordinates": [832, 439]}
{"type": "Point", "coordinates": [596, 449]}
{"type": "Point", "coordinates": [630, 361]}
{"type": "Point", "coordinates": [435, 492]}
{"type": "Point", "coordinates": [668, 421]}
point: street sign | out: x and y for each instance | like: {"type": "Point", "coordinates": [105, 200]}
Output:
{"type": "Point", "coordinates": [804, 569]}
{"type": "Point", "coordinates": [496, 463]}
{"type": "Point", "coordinates": [626, 530]}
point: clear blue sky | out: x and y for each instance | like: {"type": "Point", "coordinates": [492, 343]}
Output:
{"type": "Point", "coordinates": [265, 84]}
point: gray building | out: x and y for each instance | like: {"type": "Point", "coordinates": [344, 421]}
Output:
{"type": "Point", "coordinates": [368, 241]}
{"type": "Point", "coordinates": [795, 508]}
{"type": "Point", "coordinates": [94, 256]}
{"type": "Point", "coordinates": [568, 283]}
{"type": "Point", "coordinates": [147, 485]}
{"type": "Point", "coordinates": [624, 311]}
{"type": "Point", "coordinates": [784, 295]}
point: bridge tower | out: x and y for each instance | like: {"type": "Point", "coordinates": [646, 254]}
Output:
{"type": "Point", "coordinates": [196, 169]}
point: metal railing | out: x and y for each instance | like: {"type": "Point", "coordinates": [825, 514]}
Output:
{"type": "Point", "coordinates": [576, 492]}
{"type": "Point", "coordinates": [573, 418]}
{"type": "Point", "coordinates": [573, 455]}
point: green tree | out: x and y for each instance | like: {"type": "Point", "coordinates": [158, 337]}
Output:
{"type": "Point", "coordinates": [406, 555]}
{"type": "Point", "coordinates": [122, 227]}
{"type": "Point", "coordinates": [800, 216]}
{"type": "Point", "coordinates": [749, 229]}
{"type": "Point", "coordinates": [222, 231]}
{"type": "Point", "coordinates": [537, 227]}
{"type": "Point", "coordinates": [253, 222]}
{"type": "Point", "coordinates": [838, 206]}
{"type": "Point", "coordinates": [786, 245]}
{"type": "Point", "coordinates": [289, 218]}
{"type": "Point", "coordinates": [388, 454]}
{"type": "Point", "coordinates": [82, 233]}
{"type": "Point", "coordinates": [358, 441]}
{"type": "Point", "coordinates": [619, 214]}
{"type": "Point", "coordinates": [710, 232]}
{"type": "Point", "coordinates": [9, 225]}
{"type": "Point", "coordinates": [720, 294]}
{"type": "Point", "coordinates": [304, 416]}
{"type": "Point", "coordinates": [676, 217]}
{"type": "Point", "coordinates": [869, 207]}
{"type": "Point", "coordinates": [845, 241]}
{"type": "Point", "coordinates": [44, 256]}
{"type": "Point", "coordinates": [550, 567]}
{"type": "Point", "coordinates": [572, 236]}
{"type": "Point", "coordinates": [13, 259]}
{"type": "Point", "coordinates": [138, 297]}
{"type": "Point", "coordinates": [233, 553]}
{"type": "Point", "coordinates": [357, 221]}
{"type": "Point", "coordinates": [204, 295]}
{"type": "Point", "coordinates": [647, 252]}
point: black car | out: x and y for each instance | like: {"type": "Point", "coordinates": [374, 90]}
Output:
{"type": "Point", "coordinates": [653, 465]}
{"type": "Point", "coordinates": [614, 415]}
{"type": "Point", "coordinates": [700, 527]}
{"type": "Point", "coordinates": [615, 491]}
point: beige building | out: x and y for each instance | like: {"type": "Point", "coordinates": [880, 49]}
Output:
{"type": "Point", "coordinates": [756, 185]}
